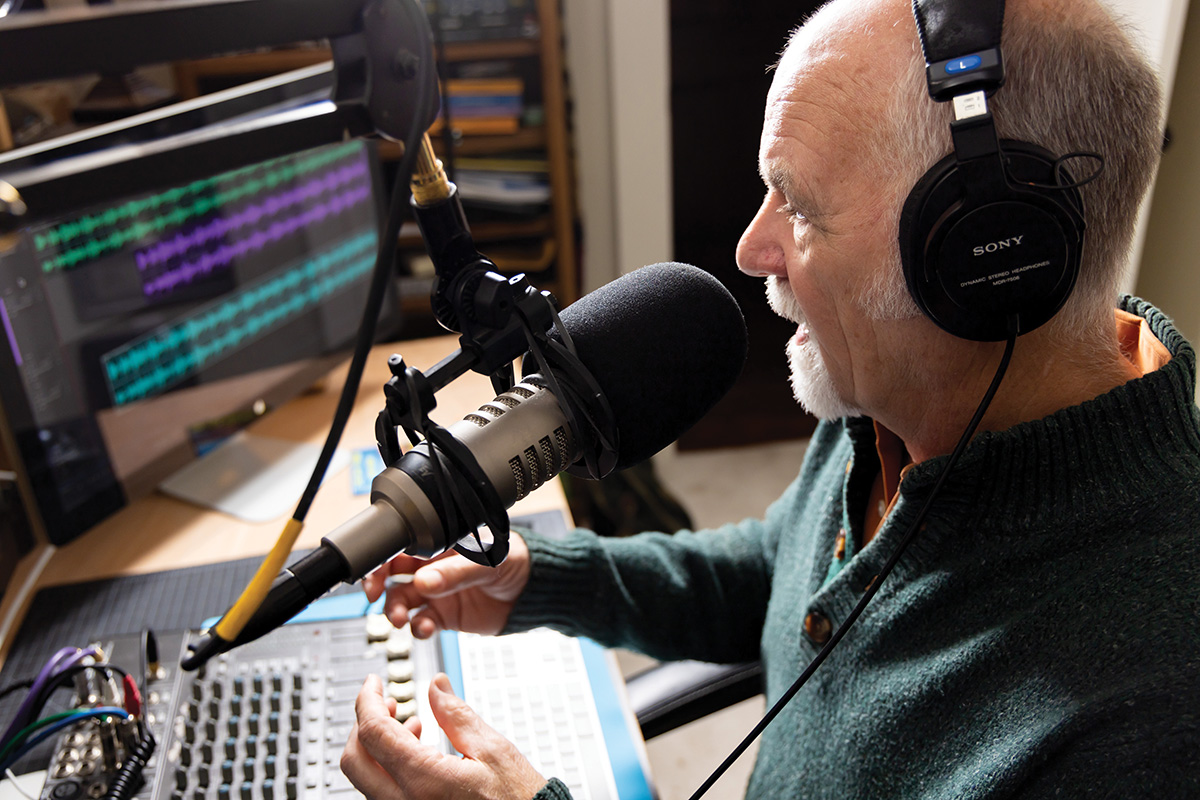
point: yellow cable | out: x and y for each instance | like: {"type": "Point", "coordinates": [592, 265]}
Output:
{"type": "Point", "coordinates": [230, 626]}
{"type": "Point", "coordinates": [429, 184]}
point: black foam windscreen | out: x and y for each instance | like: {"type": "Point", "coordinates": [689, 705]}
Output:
{"type": "Point", "coordinates": [664, 343]}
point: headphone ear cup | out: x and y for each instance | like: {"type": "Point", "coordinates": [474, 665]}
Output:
{"type": "Point", "coordinates": [973, 262]}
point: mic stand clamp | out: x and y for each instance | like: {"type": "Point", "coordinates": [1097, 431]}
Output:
{"type": "Point", "coordinates": [397, 411]}
{"type": "Point", "coordinates": [504, 315]}
{"type": "Point", "coordinates": [501, 314]}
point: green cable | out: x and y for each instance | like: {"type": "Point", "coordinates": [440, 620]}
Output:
{"type": "Point", "coordinates": [33, 726]}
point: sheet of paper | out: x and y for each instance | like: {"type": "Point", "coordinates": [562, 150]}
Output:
{"type": "Point", "coordinates": [255, 478]}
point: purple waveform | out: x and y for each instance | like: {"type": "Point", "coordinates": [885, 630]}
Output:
{"type": "Point", "coordinates": [250, 215]}
{"type": "Point", "coordinates": [12, 337]}
{"type": "Point", "coordinates": [223, 256]}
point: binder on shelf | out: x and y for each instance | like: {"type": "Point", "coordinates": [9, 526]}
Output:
{"type": "Point", "coordinates": [462, 87]}
{"type": "Point", "coordinates": [474, 20]}
{"type": "Point", "coordinates": [483, 105]}
{"type": "Point", "coordinates": [505, 163]}
{"type": "Point", "coordinates": [479, 126]}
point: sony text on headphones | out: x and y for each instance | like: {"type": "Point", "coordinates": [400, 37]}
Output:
{"type": "Point", "coordinates": [992, 235]}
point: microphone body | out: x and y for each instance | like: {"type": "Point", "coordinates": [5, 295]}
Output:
{"type": "Point", "coordinates": [521, 439]}
{"type": "Point", "coordinates": [663, 345]}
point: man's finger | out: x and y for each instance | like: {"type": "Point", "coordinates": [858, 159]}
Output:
{"type": "Point", "coordinates": [376, 727]}
{"type": "Point", "coordinates": [373, 583]}
{"type": "Point", "coordinates": [467, 732]}
{"type": "Point", "coordinates": [427, 622]}
{"type": "Point", "coordinates": [391, 744]}
{"type": "Point", "coordinates": [376, 580]}
{"type": "Point", "coordinates": [451, 575]}
{"type": "Point", "coordinates": [402, 599]}
{"type": "Point", "coordinates": [365, 773]}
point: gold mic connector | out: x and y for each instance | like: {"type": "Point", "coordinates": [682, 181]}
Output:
{"type": "Point", "coordinates": [429, 183]}
{"type": "Point", "coordinates": [12, 213]}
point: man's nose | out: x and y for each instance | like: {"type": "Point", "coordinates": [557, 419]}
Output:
{"type": "Point", "coordinates": [758, 251]}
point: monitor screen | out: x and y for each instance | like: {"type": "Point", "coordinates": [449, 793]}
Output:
{"type": "Point", "coordinates": [131, 326]}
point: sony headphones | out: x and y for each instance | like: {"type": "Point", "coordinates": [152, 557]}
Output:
{"type": "Point", "coordinates": [991, 236]}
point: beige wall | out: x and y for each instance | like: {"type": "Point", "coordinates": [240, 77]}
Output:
{"type": "Point", "coordinates": [617, 55]}
{"type": "Point", "coordinates": [1170, 272]}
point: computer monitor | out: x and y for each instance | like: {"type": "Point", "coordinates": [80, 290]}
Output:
{"type": "Point", "coordinates": [127, 325]}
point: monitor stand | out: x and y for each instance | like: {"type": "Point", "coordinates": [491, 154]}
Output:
{"type": "Point", "coordinates": [254, 478]}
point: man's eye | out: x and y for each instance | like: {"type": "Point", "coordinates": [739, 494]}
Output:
{"type": "Point", "coordinates": [790, 210]}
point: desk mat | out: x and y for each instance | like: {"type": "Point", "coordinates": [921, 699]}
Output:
{"type": "Point", "coordinates": [173, 600]}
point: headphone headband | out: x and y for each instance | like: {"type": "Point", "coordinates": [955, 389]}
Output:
{"type": "Point", "coordinates": [961, 46]}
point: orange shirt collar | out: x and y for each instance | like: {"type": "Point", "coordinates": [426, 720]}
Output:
{"type": "Point", "coordinates": [1139, 344]}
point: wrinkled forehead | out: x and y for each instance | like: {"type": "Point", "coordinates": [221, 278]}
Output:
{"type": "Point", "coordinates": [842, 66]}
{"type": "Point", "coordinates": [818, 94]}
{"type": "Point", "coordinates": [858, 44]}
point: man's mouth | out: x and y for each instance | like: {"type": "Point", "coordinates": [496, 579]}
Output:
{"type": "Point", "coordinates": [783, 304]}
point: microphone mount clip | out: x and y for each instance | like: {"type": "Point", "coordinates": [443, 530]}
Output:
{"type": "Point", "coordinates": [500, 317]}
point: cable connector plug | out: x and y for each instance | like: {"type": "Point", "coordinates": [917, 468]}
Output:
{"type": "Point", "coordinates": [429, 183]}
{"type": "Point", "coordinates": [209, 645]}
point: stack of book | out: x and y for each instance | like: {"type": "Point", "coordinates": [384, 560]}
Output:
{"type": "Point", "coordinates": [513, 185]}
{"type": "Point", "coordinates": [473, 20]}
{"type": "Point", "coordinates": [482, 106]}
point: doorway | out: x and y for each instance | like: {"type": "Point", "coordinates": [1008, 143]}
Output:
{"type": "Point", "coordinates": [720, 53]}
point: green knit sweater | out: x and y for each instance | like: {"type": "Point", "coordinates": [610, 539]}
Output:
{"type": "Point", "coordinates": [1040, 637]}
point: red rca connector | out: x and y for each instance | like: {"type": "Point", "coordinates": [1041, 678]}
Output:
{"type": "Point", "coordinates": [133, 698]}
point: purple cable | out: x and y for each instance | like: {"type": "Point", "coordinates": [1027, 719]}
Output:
{"type": "Point", "coordinates": [63, 659]}
{"type": "Point", "coordinates": [38, 682]}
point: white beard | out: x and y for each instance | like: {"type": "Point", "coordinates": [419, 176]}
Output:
{"type": "Point", "coordinates": [812, 385]}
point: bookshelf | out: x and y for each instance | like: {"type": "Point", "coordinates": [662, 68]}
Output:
{"type": "Point", "coordinates": [6, 139]}
{"type": "Point", "coordinates": [541, 244]}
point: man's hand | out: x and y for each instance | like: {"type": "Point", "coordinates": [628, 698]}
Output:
{"type": "Point", "coordinates": [385, 760]}
{"type": "Point", "coordinates": [451, 592]}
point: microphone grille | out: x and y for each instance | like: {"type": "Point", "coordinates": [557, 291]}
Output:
{"type": "Point", "coordinates": [665, 343]}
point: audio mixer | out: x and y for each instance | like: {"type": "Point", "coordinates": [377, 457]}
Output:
{"type": "Point", "coordinates": [267, 721]}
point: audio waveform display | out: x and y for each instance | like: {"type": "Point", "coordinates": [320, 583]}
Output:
{"type": "Point", "coordinates": [225, 255]}
{"type": "Point", "coordinates": [157, 361]}
{"type": "Point", "coordinates": [122, 225]}
{"type": "Point", "coordinates": [250, 215]}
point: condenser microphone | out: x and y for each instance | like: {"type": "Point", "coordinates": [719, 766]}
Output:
{"type": "Point", "coordinates": [662, 345]}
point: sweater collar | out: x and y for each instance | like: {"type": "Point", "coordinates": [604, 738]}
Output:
{"type": "Point", "coordinates": [1091, 455]}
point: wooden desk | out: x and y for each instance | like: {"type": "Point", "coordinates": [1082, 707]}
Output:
{"type": "Point", "coordinates": [159, 532]}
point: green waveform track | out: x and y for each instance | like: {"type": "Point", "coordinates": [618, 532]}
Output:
{"type": "Point", "coordinates": [157, 361]}
{"type": "Point", "coordinates": [245, 184]}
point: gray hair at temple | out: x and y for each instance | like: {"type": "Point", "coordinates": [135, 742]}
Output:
{"type": "Point", "coordinates": [1075, 82]}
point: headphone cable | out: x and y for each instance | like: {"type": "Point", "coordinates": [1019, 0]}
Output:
{"type": "Point", "coordinates": [878, 580]}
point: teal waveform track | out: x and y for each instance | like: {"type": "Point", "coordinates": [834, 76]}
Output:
{"type": "Point", "coordinates": [153, 363]}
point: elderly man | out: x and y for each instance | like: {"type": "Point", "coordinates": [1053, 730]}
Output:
{"type": "Point", "coordinates": [1038, 638]}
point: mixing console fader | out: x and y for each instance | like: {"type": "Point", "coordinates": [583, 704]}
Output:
{"type": "Point", "coordinates": [267, 721]}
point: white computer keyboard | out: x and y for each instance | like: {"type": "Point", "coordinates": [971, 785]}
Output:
{"type": "Point", "coordinates": [533, 688]}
